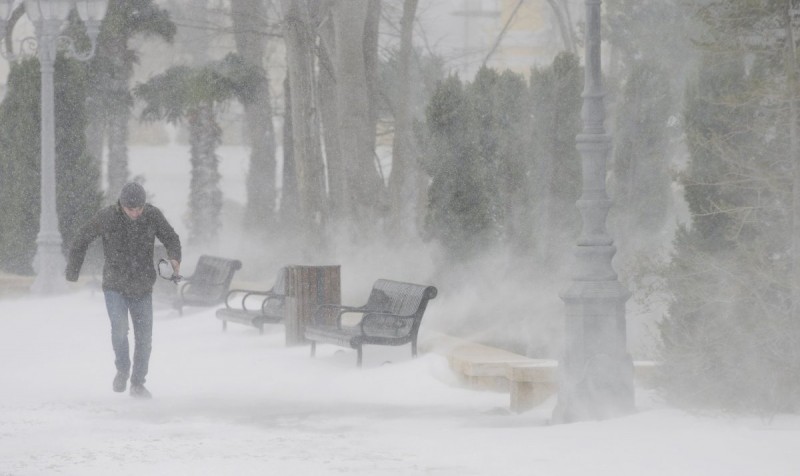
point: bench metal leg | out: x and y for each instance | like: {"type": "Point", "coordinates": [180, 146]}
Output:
{"type": "Point", "coordinates": [261, 329]}
{"type": "Point", "coordinates": [313, 348]}
{"type": "Point", "coordinates": [413, 348]}
{"type": "Point", "coordinates": [224, 325]}
{"type": "Point", "coordinates": [358, 359]}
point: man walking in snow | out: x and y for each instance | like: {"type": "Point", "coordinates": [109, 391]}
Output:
{"type": "Point", "coordinates": [128, 230]}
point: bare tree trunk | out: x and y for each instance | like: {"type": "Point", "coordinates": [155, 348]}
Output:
{"type": "Point", "coordinates": [289, 209]}
{"type": "Point", "coordinates": [363, 183]}
{"type": "Point", "coordinates": [115, 104]}
{"type": "Point", "coordinates": [794, 154]}
{"type": "Point", "coordinates": [403, 189]}
{"type": "Point", "coordinates": [330, 123]}
{"type": "Point", "coordinates": [545, 209]}
{"type": "Point", "coordinates": [305, 126]}
{"type": "Point", "coordinates": [371, 60]}
{"type": "Point", "coordinates": [117, 130]}
{"type": "Point", "coordinates": [250, 23]}
{"type": "Point", "coordinates": [571, 29]}
{"type": "Point", "coordinates": [564, 25]}
{"type": "Point", "coordinates": [198, 35]}
{"type": "Point", "coordinates": [205, 196]}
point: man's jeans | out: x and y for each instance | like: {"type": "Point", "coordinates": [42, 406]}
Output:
{"type": "Point", "coordinates": [141, 311]}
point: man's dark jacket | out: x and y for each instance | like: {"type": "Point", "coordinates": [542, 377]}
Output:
{"type": "Point", "coordinates": [127, 246]}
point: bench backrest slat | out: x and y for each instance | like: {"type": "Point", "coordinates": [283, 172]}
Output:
{"type": "Point", "coordinates": [398, 298]}
{"type": "Point", "coordinates": [212, 277]}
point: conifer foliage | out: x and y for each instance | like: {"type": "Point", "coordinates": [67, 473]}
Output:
{"type": "Point", "coordinates": [641, 181]}
{"type": "Point", "coordinates": [476, 159]}
{"type": "Point", "coordinates": [502, 157]}
{"type": "Point", "coordinates": [731, 336]}
{"type": "Point", "coordinates": [77, 176]}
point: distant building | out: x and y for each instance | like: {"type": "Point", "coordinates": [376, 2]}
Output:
{"type": "Point", "coordinates": [503, 34]}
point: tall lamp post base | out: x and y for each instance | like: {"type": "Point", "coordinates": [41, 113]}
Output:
{"type": "Point", "coordinates": [49, 265]}
{"type": "Point", "coordinates": [595, 371]}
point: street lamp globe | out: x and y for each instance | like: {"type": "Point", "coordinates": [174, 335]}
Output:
{"type": "Point", "coordinates": [92, 13]}
{"type": "Point", "coordinates": [48, 10]}
{"type": "Point", "coordinates": [91, 10]}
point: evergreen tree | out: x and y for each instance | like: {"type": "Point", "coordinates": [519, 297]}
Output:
{"type": "Point", "coordinates": [477, 160]}
{"type": "Point", "coordinates": [77, 173]}
{"type": "Point", "coordinates": [19, 168]}
{"type": "Point", "coordinates": [556, 104]}
{"type": "Point", "coordinates": [649, 30]}
{"type": "Point", "coordinates": [77, 193]}
{"type": "Point", "coordinates": [501, 106]}
{"type": "Point", "coordinates": [729, 339]}
{"type": "Point", "coordinates": [641, 187]}
{"type": "Point", "coordinates": [458, 215]}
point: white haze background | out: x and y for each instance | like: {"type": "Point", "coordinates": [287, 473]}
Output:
{"type": "Point", "coordinates": [241, 403]}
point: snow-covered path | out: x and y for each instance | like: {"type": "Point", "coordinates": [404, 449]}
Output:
{"type": "Point", "coordinates": [241, 403]}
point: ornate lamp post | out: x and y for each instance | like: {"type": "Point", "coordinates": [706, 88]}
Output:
{"type": "Point", "coordinates": [595, 371]}
{"type": "Point", "coordinates": [49, 17]}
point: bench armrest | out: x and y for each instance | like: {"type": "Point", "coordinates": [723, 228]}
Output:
{"type": "Point", "coordinates": [186, 284]}
{"type": "Point", "coordinates": [237, 298]}
{"type": "Point", "coordinates": [370, 317]}
{"type": "Point", "coordinates": [182, 287]}
{"type": "Point", "coordinates": [323, 312]}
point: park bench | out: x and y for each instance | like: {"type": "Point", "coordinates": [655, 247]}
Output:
{"type": "Point", "coordinates": [391, 316]}
{"type": "Point", "coordinates": [209, 284]}
{"type": "Point", "coordinates": [255, 308]}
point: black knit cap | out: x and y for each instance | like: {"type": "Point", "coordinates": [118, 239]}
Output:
{"type": "Point", "coordinates": [132, 195]}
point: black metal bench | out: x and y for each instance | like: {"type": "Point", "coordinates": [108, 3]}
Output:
{"type": "Point", "coordinates": [391, 316]}
{"type": "Point", "coordinates": [209, 284]}
{"type": "Point", "coordinates": [255, 308]}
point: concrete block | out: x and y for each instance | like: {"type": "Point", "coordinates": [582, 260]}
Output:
{"type": "Point", "coordinates": [531, 383]}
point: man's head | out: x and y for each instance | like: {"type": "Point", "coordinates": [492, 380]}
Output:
{"type": "Point", "coordinates": [132, 198]}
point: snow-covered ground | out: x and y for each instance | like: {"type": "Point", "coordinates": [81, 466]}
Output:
{"type": "Point", "coordinates": [241, 403]}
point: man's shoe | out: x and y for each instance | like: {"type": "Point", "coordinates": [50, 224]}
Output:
{"type": "Point", "coordinates": [120, 382]}
{"type": "Point", "coordinates": [138, 391]}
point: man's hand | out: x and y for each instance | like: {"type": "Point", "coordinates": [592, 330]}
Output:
{"type": "Point", "coordinates": [176, 267]}
{"type": "Point", "coordinates": [176, 271]}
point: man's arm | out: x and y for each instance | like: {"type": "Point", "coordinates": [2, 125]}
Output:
{"type": "Point", "coordinates": [80, 244]}
{"type": "Point", "coordinates": [171, 241]}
